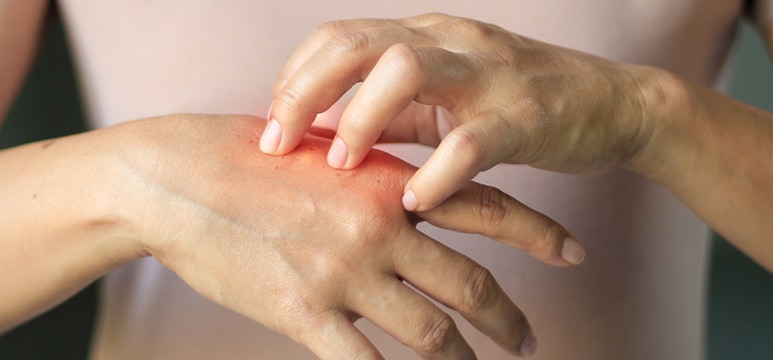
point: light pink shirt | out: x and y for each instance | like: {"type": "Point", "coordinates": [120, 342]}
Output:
{"type": "Point", "coordinates": [640, 293]}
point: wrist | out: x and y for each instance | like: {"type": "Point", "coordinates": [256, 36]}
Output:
{"type": "Point", "coordinates": [168, 191]}
{"type": "Point", "coordinates": [662, 97]}
{"type": "Point", "coordinates": [107, 199]}
{"type": "Point", "coordinates": [132, 158]}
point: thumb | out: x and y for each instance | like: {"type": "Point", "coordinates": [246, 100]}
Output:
{"type": "Point", "coordinates": [465, 151]}
{"type": "Point", "coordinates": [485, 210]}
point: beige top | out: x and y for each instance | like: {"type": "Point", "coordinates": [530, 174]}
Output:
{"type": "Point", "coordinates": [639, 295]}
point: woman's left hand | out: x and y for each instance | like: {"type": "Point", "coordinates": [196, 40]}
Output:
{"type": "Point", "coordinates": [479, 93]}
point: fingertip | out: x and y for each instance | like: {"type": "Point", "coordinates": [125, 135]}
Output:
{"type": "Point", "coordinates": [572, 251]}
{"type": "Point", "coordinates": [528, 346]}
{"type": "Point", "coordinates": [341, 156]}
{"type": "Point", "coordinates": [337, 155]}
{"type": "Point", "coordinates": [441, 177]}
{"type": "Point", "coordinates": [272, 136]}
{"type": "Point", "coordinates": [410, 203]}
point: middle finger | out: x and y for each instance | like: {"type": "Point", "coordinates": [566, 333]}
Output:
{"type": "Point", "coordinates": [327, 75]}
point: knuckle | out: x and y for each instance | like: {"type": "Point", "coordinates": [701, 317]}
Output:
{"type": "Point", "coordinates": [439, 15]}
{"type": "Point", "coordinates": [436, 335]}
{"type": "Point", "coordinates": [464, 23]}
{"type": "Point", "coordinates": [434, 16]}
{"type": "Point", "coordinates": [304, 318]}
{"type": "Point", "coordinates": [289, 99]}
{"type": "Point", "coordinates": [425, 19]}
{"type": "Point", "coordinates": [355, 42]}
{"type": "Point", "coordinates": [478, 291]}
{"type": "Point", "coordinates": [303, 331]}
{"type": "Point", "coordinates": [543, 239]}
{"type": "Point", "coordinates": [406, 58]}
{"type": "Point", "coordinates": [516, 327]}
{"type": "Point", "coordinates": [469, 28]}
{"type": "Point", "coordinates": [367, 355]}
{"type": "Point", "coordinates": [492, 209]}
{"type": "Point", "coordinates": [466, 148]}
{"type": "Point", "coordinates": [537, 109]}
{"type": "Point", "coordinates": [537, 121]}
{"type": "Point", "coordinates": [367, 231]}
{"type": "Point", "coordinates": [548, 238]}
{"type": "Point", "coordinates": [331, 28]}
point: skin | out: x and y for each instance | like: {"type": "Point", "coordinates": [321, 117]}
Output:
{"type": "Point", "coordinates": [286, 241]}
{"type": "Point", "coordinates": [483, 95]}
{"type": "Point", "coordinates": [628, 224]}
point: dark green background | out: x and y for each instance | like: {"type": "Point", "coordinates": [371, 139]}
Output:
{"type": "Point", "coordinates": [740, 319]}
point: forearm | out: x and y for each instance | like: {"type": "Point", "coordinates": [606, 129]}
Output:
{"type": "Point", "coordinates": [714, 153]}
{"type": "Point", "coordinates": [62, 221]}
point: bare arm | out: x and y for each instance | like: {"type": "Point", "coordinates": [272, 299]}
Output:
{"type": "Point", "coordinates": [20, 28]}
{"type": "Point", "coordinates": [714, 153]}
{"type": "Point", "coordinates": [286, 241]}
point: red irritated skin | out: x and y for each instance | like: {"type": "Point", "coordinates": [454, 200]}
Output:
{"type": "Point", "coordinates": [287, 241]}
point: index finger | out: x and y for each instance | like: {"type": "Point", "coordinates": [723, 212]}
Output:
{"type": "Point", "coordinates": [338, 55]}
{"type": "Point", "coordinates": [327, 31]}
{"type": "Point", "coordinates": [299, 95]}
{"type": "Point", "coordinates": [312, 44]}
{"type": "Point", "coordinates": [323, 79]}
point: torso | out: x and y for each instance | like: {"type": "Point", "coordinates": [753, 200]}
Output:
{"type": "Point", "coordinates": [638, 296]}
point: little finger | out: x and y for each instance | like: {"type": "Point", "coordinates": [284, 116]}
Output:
{"type": "Point", "coordinates": [333, 337]}
{"type": "Point", "coordinates": [465, 286]}
{"type": "Point", "coordinates": [413, 320]}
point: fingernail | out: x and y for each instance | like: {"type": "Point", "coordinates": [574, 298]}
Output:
{"type": "Point", "coordinates": [529, 344]}
{"type": "Point", "coordinates": [409, 201]}
{"type": "Point", "coordinates": [271, 137]}
{"type": "Point", "coordinates": [337, 155]}
{"type": "Point", "coordinates": [572, 251]}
